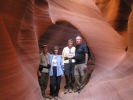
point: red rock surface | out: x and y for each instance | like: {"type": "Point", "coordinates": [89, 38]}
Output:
{"type": "Point", "coordinates": [23, 22]}
{"type": "Point", "coordinates": [116, 13]}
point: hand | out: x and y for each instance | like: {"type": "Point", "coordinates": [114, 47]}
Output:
{"type": "Point", "coordinates": [39, 74]}
{"type": "Point", "coordinates": [62, 75]}
{"type": "Point", "coordinates": [65, 58]}
{"type": "Point", "coordinates": [73, 57]}
{"type": "Point", "coordinates": [70, 56]}
{"type": "Point", "coordinates": [63, 67]}
{"type": "Point", "coordinates": [85, 67]}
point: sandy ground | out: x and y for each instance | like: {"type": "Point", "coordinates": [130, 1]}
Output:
{"type": "Point", "coordinates": [62, 96]}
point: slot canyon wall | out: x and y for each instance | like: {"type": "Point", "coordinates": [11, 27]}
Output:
{"type": "Point", "coordinates": [107, 29]}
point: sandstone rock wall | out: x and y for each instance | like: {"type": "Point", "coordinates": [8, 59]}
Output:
{"type": "Point", "coordinates": [23, 22]}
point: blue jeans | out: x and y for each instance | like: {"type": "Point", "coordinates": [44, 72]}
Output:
{"type": "Point", "coordinates": [55, 83]}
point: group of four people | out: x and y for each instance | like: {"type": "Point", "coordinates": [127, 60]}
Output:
{"type": "Point", "coordinates": [72, 64]}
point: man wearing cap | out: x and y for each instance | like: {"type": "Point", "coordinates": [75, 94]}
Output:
{"type": "Point", "coordinates": [43, 72]}
{"type": "Point", "coordinates": [68, 56]}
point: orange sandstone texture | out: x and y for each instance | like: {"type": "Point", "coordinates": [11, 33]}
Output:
{"type": "Point", "coordinates": [23, 22]}
{"type": "Point", "coordinates": [116, 13]}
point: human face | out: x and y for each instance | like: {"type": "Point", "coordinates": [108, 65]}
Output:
{"type": "Point", "coordinates": [56, 52]}
{"type": "Point", "coordinates": [70, 44]}
{"type": "Point", "coordinates": [78, 41]}
{"type": "Point", "coordinates": [45, 50]}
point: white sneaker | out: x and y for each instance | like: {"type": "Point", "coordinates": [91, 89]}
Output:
{"type": "Point", "coordinates": [56, 98]}
{"type": "Point", "coordinates": [66, 90]}
{"type": "Point", "coordinates": [50, 97]}
{"type": "Point", "coordinates": [70, 90]}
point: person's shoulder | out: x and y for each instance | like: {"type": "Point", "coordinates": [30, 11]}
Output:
{"type": "Point", "coordinates": [51, 55]}
{"type": "Point", "coordinates": [41, 54]}
{"type": "Point", "coordinates": [60, 56]}
{"type": "Point", "coordinates": [66, 47]}
{"type": "Point", "coordinates": [73, 47]}
{"type": "Point", "coordinates": [84, 45]}
{"type": "Point", "coordinates": [48, 53]}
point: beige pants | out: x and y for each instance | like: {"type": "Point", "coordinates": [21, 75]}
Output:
{"type": "Point", "coordinates": [80, 76]}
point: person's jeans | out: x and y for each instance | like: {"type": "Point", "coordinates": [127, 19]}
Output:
{"type": "Point", "coordinates": [80, 76]}
{"type": "Point", "coordinates": [55, 83]}
{"type": "Point", "coordinates": [69, 75]}
{"type": "Point", "coordinates": [43, 81]}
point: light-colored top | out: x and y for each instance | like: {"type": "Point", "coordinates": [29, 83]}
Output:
{"type": "Point", "coordinates": [54, 60]}
{"type": "Point", "coordinates": [67, 52]}
{"type": "Point", "coordinates": [45, 60]}
{"type": "Point", "coordinates": [59, 66]}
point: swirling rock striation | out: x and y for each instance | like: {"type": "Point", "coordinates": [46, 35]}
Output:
{"type": "Point", "coordinates": [23, 22]}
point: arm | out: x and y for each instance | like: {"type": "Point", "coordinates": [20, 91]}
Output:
{"type": "Point", "coordinates": [86, 58]}
{"type": "Point", "coordinates": [63, 57]}
{"type": "Point", "coordinates": [61, 62]}
{"type": "Point", "coordinates": [38, 72]}
{"type": "Point", "coordinates": [40, 58]}
{"type": "Point", "coordinates": [74, 49]}
{"type": "Point", "coordinates": [86, 61]}
{"type": "Point", "coordinates": [49, 60]}
{"type": "Point", "coordinates": [86, 53]}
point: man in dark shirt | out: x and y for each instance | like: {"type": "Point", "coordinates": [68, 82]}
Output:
{"type": "Point", "coordinates": [81, 57]}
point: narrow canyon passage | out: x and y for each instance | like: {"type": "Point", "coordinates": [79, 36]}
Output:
{"type": "Point", "coordinates": [105, 25]}
{"type": "Point", "coordinates": [58, 35]}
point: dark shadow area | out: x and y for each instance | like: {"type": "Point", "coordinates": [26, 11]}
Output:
{"type": "Point", "coordinates": [122, 18]}
{"type": "Point", "coordinates": [58, 35]}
